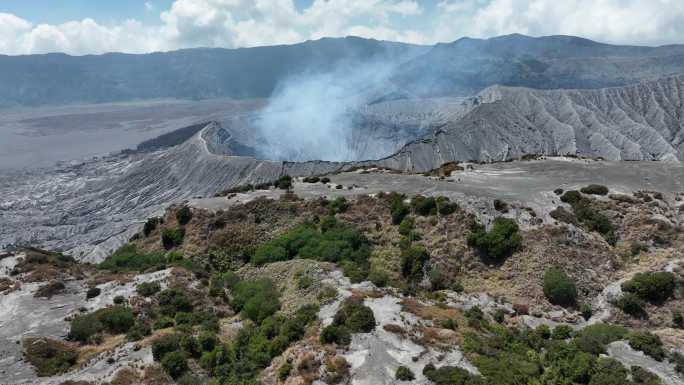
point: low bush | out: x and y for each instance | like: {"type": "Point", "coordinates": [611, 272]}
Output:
{"type": "Point", "coordinates": [183, 215]}
{"type": "Point", "coordinates": [424, 206]}
{"type": "Point", "coordinates": [609, 372]}
{"type": "Point", "coordinates": [355, 317]}
{"type": "Point", "coordinates": [404, 374]}
{"type": "Point", "coordinates": [445, 206]}
{"type": "Point", "coordinates": [284, 371]}
{"type": "Point", "coordinates": [413, 260]}
{"type": "Point", "coordinates": [562, 215]}
{"type": "Point", "coordinates": [656, 287]}
{"type": "Point", "coordinates": [501, 206]}
{"type": "Point", "coordinates": [648, 343]}
{"type": "Point", "coordinates": [256, 300]}
{"type": "Point", "coordinates": [475, 317]}
{"type": "Point", "coordinates": [219, 282]}
{"type": "Point", "coordinates": [332, 334]}
{"type": "Point", "coordinates": [339, 205]}
{"type": "Point", "coordinates": [641, 376]}
{"type": "Point", "coordinates": [571, 197]}
{"type": "Point", "coordinates": [83, 327]}
{"type": "Point", "coordinates": [116, 319]}
{"type": "Point", "coordinates": [93, 292]}
{"type": "Point", "coordinates": [284, 182]}
{"type": "Point", "coordinates": [49, 357]}
{"type": "Point", "coordinates": [165, 344]}
{"type": "Point", "coordinates": [312, 179]}
{"type": "Point", "coordinates": [594, 338]}
{"type": "Point", "coordinates": [129, 258]}
{"type": "Point", "coordinates": [163, 323]}
{"type": "Point", "coordinates": [207, 341]}
{"type": "Point", "coordinates": [503, 240]}
{"type": "Point", "coordinates": [595, 189]}
{"type": "Point", "coordinates": [450, 375]}
{"type": "Point", "coordinates": [171, 238]}
{"type": "Point", "coordinates": [172, 301]}
{"type": "Point", "coordinates": [148, 289]}
{"type": "Point", "coordinates": [151, 225]}
{"type": "Point", "coordinates": [631, 304]}
{"type": "Point", "coordinates": [678, 319]}
{"type": "Point", "coordinates": [398, 209]}
{"type": "Point", "coordinates": [174, 364]}
{"type": "Point", "coordinates": [561, 332]}
{"type": "Point", "coordinates": [593, 220]}
{"type": "Point", "coordinates": [406, 226]}
{"type": "Point", "coordinates": [559, 288]}
{"type": "Point", "coordinates": [139, 331]}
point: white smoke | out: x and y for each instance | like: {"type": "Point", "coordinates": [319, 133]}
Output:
{"type": "Point", "coordinates": [310, 115]}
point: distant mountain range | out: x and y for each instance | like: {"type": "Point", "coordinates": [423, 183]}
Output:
{"type": "Point", "coordinates": [462, 68]}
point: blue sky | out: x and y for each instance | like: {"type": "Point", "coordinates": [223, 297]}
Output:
{"type": "Point", "coordinates": [137, 26]}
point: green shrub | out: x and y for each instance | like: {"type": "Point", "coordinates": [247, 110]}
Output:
{"type": "Point", "coordinates": [151, 225]}
{"type": "Point", "coordinates": [139, 331]}
{"type": "Point", "coordinates": [128, 258]}
{"type": "Point", "coordinates": [207, 341]}
{"type": "Point", "coordinates": [609, 372]}
{"type": "Point", "coordinates": [501, 206]}
{"type": "Point", "coordinates": [571, 197]}
{"type": "Point", "coordinates": [398, 209]}
{"type": "Point", "coordinates": [174, 364]}
{"type": "Point", "coordinates": [404, 374]}
{"type": "Point", "coordinates": [594, 338]}
{"type": "Point", "coordinates": [586, 311]}
{"type": "Point", "coordinates": [172, 301]}
{"type": "Point", "coordinates": [304, 282]}
{"type": "Point", "coordinates": [406, 226]}
{"type": "Point", "coordinates": [284, 371]}
{"type": "Point", "coordinates": [562, 215]}
{"type": "Point", "coordinates": [49, 357]}
{"type": "Point", "coordinates": [116, 319]}
{"type": "Point", "coordinates": [332, 334]}
{"type": "Point", "coordinates": [562, 332]}
{"type": "Point", "coordinates": [450, 375]}
{"type": "Point", "coordinates": [83, 327]}
{"type": "Point", "coordinates": [182, 318]}
{"type": "Point", "coordinates": [339, 205]}
{"type": "Point", "coordinates": [148, 289]}
{"type": "Point", "coordinates": [312, 179]}
{"type": "Point", "coordinates": [163, 323]}
{"type": "Point", "coordinates": [171, 238]}
{"type": "Point", "coordinates": [356, 317]}
{"type": "Point", "coordinates": [378, 276]}
{"type": "Point", "coordinates": [595, 189]}
{"type": "Point", "coordinates": [631, 304]}
{"type": "Point", "coordinates": [445, 206]}
{"type": "Point", "coordinates": [559, 288]}
{"type": "Point", "coordinates": [593, 220]}
{"type": "Point", "coordinates": [475, 317]}
{"type": "Point", "coordinates": [499, 316]}
{"type": "Point", "coordinates": [648, 343]}
{"type": "Point", "coordinates": [641, 376]}
{"type": "Point", "coordinates": [183, 215]}
{"type": "Point", "coordinates": [424, 205]}
{"type": "Point", "coordinates": [165, 344]}
{"type": "Point", "coordinates": [219, 282]}
{"type": "Point", "coordinates": [412, 261]}
{"type": "Point", "coordinates": [503, 240]}
{"type": "Point", "coordinates": [438, 280]}
{"type": "Point", "coordinates": [284, 182]}
{"type": "Point", "coordinates": [93, 292]}
{"type": "Point", "coordinates": [256, 300]}
{"type": "Point", "coordinates": [190, 345]}
{"type": "Point", "coordinates": [656, 287]}
{"type": "Point", "coordinates": [119, 300]}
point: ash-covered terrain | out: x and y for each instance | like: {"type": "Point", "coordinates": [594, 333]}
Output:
{"type": "Point", "coordinates": [501, 211]}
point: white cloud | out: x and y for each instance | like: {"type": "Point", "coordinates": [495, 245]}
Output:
{"type": "Point", "coordinates": [242, 23]}
{"type": "Point", "coordinates": [617, 21]}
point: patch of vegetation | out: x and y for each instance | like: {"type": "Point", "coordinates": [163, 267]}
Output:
{"type": "Point", "coordinates": [50, 289]}
{"type": "Point", "coordinates": [593, 220]}
{"type": "Point", "coordinates": [655, 287]}
{"type": "Point", "coordinates": [312, 179]}
{"type": "Point", "coordinates": [332, 334]}
{"type": "Point", "coordinates": [148, 289]}
{"type": "Point", "coordinates": [285, 369]}
{"type": "Point", "coordinates": [255, 300]}
{"type": "Point", "coordinates": [165, 344]}
{"type": "Point", "coordinates": [424, 206]}
{"type": "Point", "coordinates": [129, 258]}
{"type": "Point", "coordinates": [355, 317]}
{"type": "Point", "coordinates": [332, 242]}
{"type": "Point", "coordinates": [339, 205]}
{"type": "Point", "coordinates": [139, 331]}
{"type": "Point", "coordinates": [183, 215]}
{"type": "Point", "coordinates": [502, 241]}
{"type": "Point", "coordinates": [219, 282]}
{"type": "Point", "coordinates": [284, 182]}
{"type": "Point", "coordinates": [594, 338]}
{"type": "Point", "coordinates": [93, 292]}
{"type": "Point", "coordinates": [631, 304]}
{"type": "Point", "coordinates": [562, 215]}
{"type": "Point", "coordinates": [501, 206]}
{"type": "Point", "coordinates": [595, 189]}
{"type": "Point", "coordinates": [49, 357]}
{"type": "Point", "coordinates": [255, 346]}
{"type": "Point", "coordinates": [174, 364]}
{"type": "Point", "coordinates": [398, 209]}
{"type": "Point", "coordinates": [172, 301]}
{"type": "Point", "coordinates": [451, 375]}
{"type": "Point", "coordinates": [171, 238]}
{"type": "Point", "coordinates": [559, 288]}
{"type": "Point", "coordinates": [571, 197]}
{"type": "Point", "coordinates": [404, 374]}
{"type": "Point", "coordinates": [413, 260]}
{"type": "Point", "coordinates": [151, 224]}
{"type": "Point", "coordinates": [648, 343]}
{"type": "Point", "coordinates": [114, 320]}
